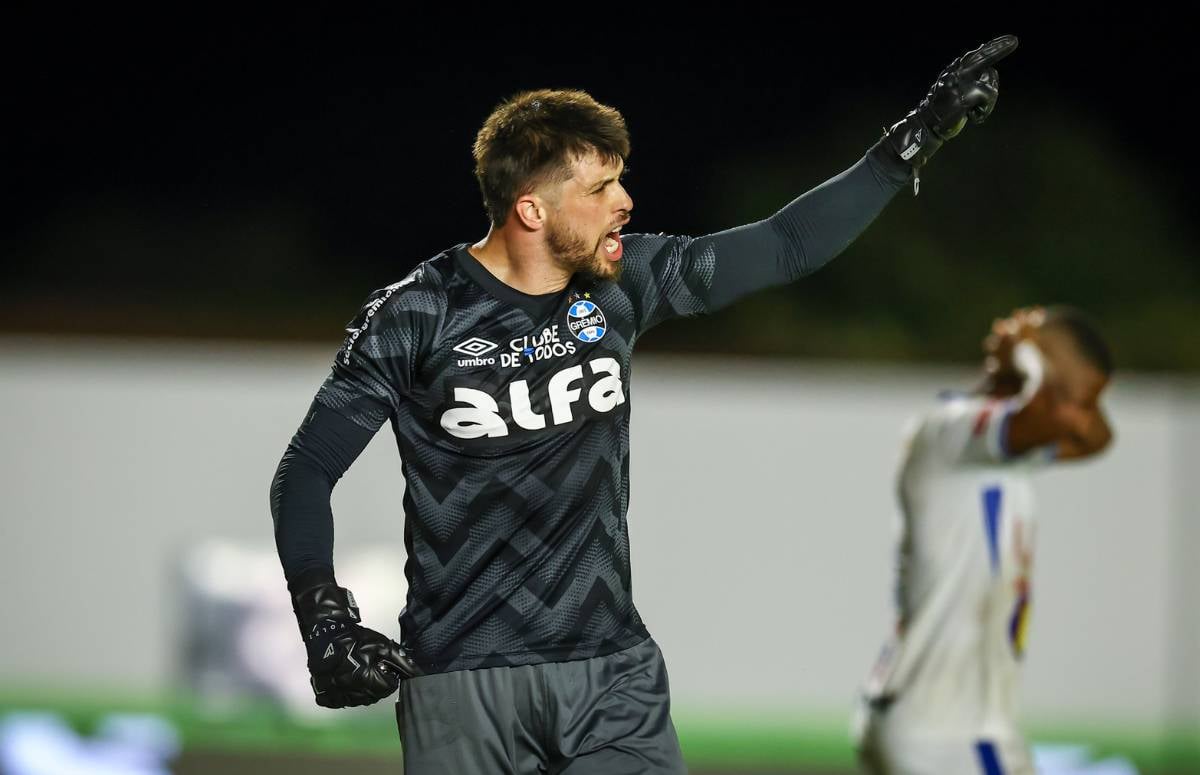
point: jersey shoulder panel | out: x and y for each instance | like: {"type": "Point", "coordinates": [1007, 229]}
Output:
{"type": "Point", "coordinates": [666, 277]}
{"type": "Point", "coordinates": [416, 303]}
{"type": "Point", "coordinates": [964, 429]}
{"type": "Point", "coordinates": [375, 369]}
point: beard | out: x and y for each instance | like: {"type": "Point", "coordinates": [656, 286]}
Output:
{"type": "Point", "coordinates": [571, 252]}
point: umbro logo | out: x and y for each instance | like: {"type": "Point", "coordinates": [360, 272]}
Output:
{"type": "Point", "coordinates": [475, 346]}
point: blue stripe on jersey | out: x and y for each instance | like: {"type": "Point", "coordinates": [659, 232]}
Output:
{"type": "Point", "coordinates": [991, 523]}
{"type": "Point", "coordinates": [988, 758]}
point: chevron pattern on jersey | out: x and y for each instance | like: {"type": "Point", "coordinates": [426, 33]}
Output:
{"type": "Point", "coordinates": [513, 432]}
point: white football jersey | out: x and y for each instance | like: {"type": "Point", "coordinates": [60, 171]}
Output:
{"type": "Point", "coordinates": [965, 554]}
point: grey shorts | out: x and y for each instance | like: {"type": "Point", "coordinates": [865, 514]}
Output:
{"type": "Point", "coordinates": [607, 715]}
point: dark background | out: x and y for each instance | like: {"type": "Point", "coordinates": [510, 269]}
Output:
{"type": "Point", "coordinates": [220, 174]}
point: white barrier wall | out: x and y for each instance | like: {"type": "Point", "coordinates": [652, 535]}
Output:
{"type": "Point", "coordinates": [760, 520]}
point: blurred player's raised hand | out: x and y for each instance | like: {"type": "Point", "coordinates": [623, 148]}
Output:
{"type": "Point", "coordinates": [966, 90]}
{"type": "Point", "coordinates": [998, 346]}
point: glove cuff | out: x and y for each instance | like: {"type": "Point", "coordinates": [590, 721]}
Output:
{"type": "Point", "coordinates": [912, 140]}
{"type": "Point", "coordinates": [316, 608]}
{"type": "Point", "coordinates": [309, 578]}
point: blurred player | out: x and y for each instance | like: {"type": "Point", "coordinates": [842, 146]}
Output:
{"type": "Point", "coordinates": [503, 368]}
{"type": "Point", "coordinates": [942, 699]}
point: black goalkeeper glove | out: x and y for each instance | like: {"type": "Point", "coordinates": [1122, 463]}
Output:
{"type": "Point", "coordinates": [350, 664]}
{"type": "Point", "coordinates": [967, 89]}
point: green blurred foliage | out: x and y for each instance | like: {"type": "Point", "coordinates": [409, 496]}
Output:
{"type": "Point", "coordinates": [1039, 209]}
{"type": "Point", "coordinates": [1043, 205]}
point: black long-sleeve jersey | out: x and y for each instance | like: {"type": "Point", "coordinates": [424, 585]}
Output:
{"type": "Point", "coordinates": [511, 414]}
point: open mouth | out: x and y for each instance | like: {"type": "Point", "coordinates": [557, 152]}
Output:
{"type": "Point", "coordinates": [612, 245]}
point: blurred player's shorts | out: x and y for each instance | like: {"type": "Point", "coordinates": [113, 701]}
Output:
{"type": "Point", "coordinates": [1077, 760]}
{"type": "Point", "coordinates": [887, 745]}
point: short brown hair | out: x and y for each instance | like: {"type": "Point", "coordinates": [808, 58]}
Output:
{"type": "Point", "coordinates": [1089, 342]}
{"type": "Point", "coordinates": [531, 137]}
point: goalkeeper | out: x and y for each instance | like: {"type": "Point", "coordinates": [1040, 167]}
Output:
{"type": "Point", "coordinates": [503, 368]}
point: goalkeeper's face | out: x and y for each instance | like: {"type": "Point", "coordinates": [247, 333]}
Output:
{"type": "Point", "coordinates": [585, 214]}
